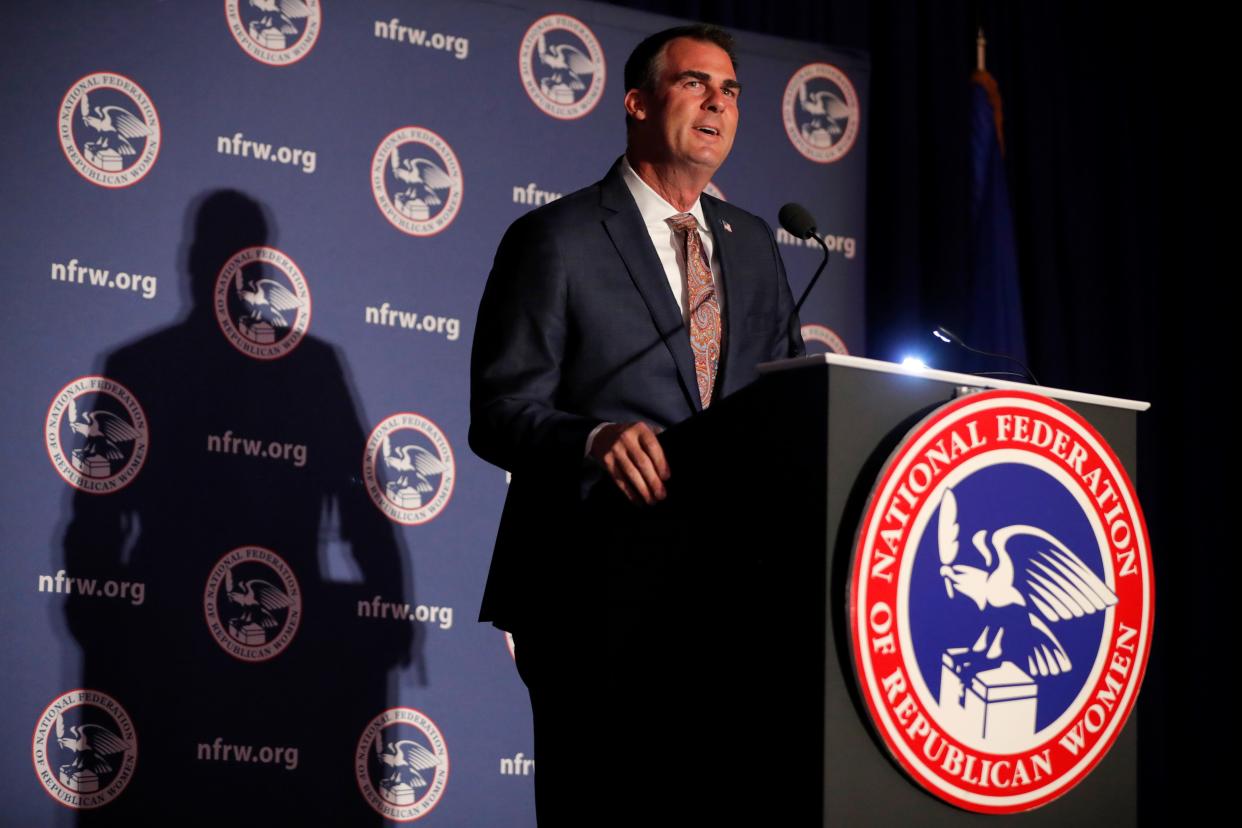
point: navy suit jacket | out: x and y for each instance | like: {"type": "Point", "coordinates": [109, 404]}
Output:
{"type": "Point", "coordinates": [578, 326]}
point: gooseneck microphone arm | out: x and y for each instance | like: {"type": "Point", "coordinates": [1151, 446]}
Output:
{"type": "Point", "coordinates": [800, 224]}
{"type": "Point", "coordinates": [945, 335]}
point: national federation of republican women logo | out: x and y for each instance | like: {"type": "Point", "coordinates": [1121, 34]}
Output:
{"type": "Point", "coordinates": [252, 603]}
{"type": "Point", "coordinates": [408, 468]}
{"type": "Point", "coordinates": [562, 67]}
{"type": "Point", "coordinates": [96, 435]}
{"type": "Point", "coordinates": [821, 112]}
{"type": "Point", "coordinates": [401, 764]}
{"type": "Point", "coordinates": [275, 32]}
{"type": "Point", "coordinates": [262, 302]}
{"type": "Point", "coordinates": [822, 339]}
{"type": "Point", "coordinates": [1001, 601]}
{"type": "Point", "coordinates": [109, 130]}
{"type": "Point", "coordinates": [416, 180]}
{"type": "Point", "coordinates": [84, 749]}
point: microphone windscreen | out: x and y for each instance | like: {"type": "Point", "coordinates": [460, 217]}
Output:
{"type": "Point", "coordinates": [797, 220]}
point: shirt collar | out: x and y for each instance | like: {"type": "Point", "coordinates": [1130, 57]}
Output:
{"type": "Point", "coordinates": [653, 207]}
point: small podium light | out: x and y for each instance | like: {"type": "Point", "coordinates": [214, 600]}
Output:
{"type": "Point", "coordinates": [915, 363]}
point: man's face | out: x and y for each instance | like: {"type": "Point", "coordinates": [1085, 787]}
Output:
{"type": "Point", "coordinates": [690, 118]}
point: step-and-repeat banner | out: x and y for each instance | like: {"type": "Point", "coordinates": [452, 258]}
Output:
{"type": "Point", "coordinates": [244, 241]}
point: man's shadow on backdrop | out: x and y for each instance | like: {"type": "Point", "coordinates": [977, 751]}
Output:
{"type": "Point", "coordinates": [236, 628]}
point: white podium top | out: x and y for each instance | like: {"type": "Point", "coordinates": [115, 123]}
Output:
{"type": "Point", "coordinates": [949, 376]}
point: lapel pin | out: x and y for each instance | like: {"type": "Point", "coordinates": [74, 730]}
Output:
{"type": "Point", "coordinates": [726, 226]}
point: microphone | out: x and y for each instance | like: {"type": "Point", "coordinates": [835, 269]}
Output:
{"type": "Point", "coordinates": [799, 223]}
{"type": "Point", "coordinates": [945, 335]}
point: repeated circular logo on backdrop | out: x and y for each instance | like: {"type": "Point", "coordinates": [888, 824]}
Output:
{"type": "Point", "coordinates": [96, 435]}
{"type": "Point", "coordinates": [1001, 601]}
{"type": "Point", "coordinates": [416, 180]}
{"type": "Point", "coordinates": [821, 112]}
{"type": "Point", "coordinates": [252, 603]}
{"type": "Point", "coordinates": [84, 749]}
{"type": "Point", "coordinates": [109, 129]}
{"type": "Point", "coordinates": [825, 336]}
{"type": "Point", "coordinates": [401, 764]}
{"type": "Point", "coordinates": [262, 302]}
{"type": "Point", "coordinates": [562, 66]}
{"type": "Point", "coordinates": [408, 468]}
{"type": "Point", "coordinates": [275, 32]}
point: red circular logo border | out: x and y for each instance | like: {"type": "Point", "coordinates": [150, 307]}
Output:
{"type": "Point", "coordinates": [1133, 683]}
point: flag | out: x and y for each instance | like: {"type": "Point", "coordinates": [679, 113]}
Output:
{"type": "Point", "coordinates": [995, 306]}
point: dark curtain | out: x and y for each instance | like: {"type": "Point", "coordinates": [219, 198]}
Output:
{"type": "Point", "coordinates": [1113, 122]}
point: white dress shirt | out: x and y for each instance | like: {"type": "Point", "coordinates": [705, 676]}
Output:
{"type": "Point", "coordinates": [669, 245]}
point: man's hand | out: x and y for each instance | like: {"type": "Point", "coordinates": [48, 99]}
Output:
{"type": "Point", "coordinates": [634, 459]}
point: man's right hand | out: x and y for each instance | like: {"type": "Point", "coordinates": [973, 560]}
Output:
{"type": "Point", "coordinates": [634, 458]}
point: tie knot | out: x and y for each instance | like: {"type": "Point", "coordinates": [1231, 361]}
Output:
{"type": "Point", "coordinates": [683, 222]}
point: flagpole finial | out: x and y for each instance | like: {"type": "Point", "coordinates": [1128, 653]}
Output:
{"type": "Point", "coordinates": [981, 48]}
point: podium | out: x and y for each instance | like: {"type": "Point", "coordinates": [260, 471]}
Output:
{"type": "Point", "coordinates": [750, 557]}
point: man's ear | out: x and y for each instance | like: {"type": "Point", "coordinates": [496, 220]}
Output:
{"type": "Point", "coordinates": [636, 104]}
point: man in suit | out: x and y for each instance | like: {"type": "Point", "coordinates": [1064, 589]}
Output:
{"type": "Point", "coordinates": [610, 315]}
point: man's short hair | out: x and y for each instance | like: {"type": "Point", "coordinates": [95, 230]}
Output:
{"type": "Point", "coordinates": [644, 64]}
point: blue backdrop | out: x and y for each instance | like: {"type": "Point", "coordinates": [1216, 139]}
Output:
{"type": "Point", "coordinates": [244, 537]}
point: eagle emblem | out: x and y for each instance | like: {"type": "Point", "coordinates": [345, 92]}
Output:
{"type": "Point", "coordinates": [1023, 580]}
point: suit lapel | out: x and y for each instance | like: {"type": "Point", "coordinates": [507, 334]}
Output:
{"type": "Point", "coordinates": [629, 235]}
{"type": "Point", "coordinates": [733, 284]}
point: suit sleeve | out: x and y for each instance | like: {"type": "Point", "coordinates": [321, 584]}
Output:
{"type": "Point", "coordinates": [519, 349]}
